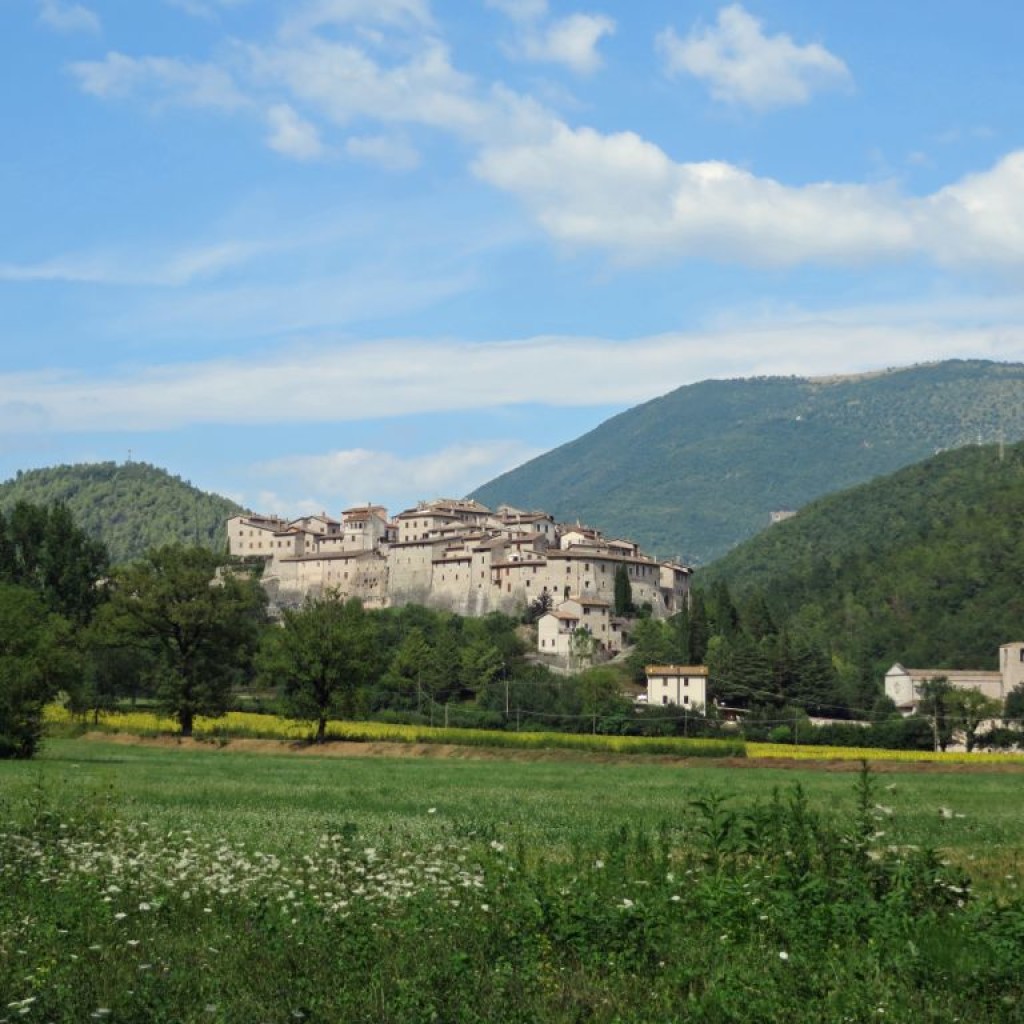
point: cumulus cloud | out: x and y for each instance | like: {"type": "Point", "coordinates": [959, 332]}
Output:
{"type": "Point", "coordinates": [164, 80]}
{"type": "Point", "coordinates": [344, 83]}
{"type": "Point", "coordinates": [742, 65]}
{"type": "Point", "coordinates": [571, 41]}
{"type": "Point", "coordinates": [624, 194]}
{"type": "Point", "coordinates": [68, 17]}
{"type": "Point", "coordinates": [617, 192]}
{"type": "Point", "coordinates": [292, 135]}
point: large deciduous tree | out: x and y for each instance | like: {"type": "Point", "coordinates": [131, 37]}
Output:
{"type": "Point", "coordinates": [968, 709]}
{"type": "Point", "coordinates": [321, 656]}
{"type": "Point", "coordinates": [200, 628]}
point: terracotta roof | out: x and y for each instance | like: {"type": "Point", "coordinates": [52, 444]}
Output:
{"type": "Point", "coordinates": [676, 670]}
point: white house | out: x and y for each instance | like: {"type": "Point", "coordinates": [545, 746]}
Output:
{"type": "Point", "coordinates": [683, 685]}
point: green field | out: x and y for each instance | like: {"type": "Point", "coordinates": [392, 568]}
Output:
{"type": "Point", "coordinates": [163, 883]}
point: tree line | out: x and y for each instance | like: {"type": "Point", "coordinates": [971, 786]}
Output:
{"type": "Point", "coordinates": [185, 630]}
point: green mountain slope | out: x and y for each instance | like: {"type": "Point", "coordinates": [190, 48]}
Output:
{"type": "Point", "coordinates": [130, 507]}
{"type": "Point", "coordinates": [698, 470]}
{"type": "Point", "coordinates": [925, 566]}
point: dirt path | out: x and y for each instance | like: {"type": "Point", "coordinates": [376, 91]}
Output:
{"type": "Point", "coordinates": [451, 751]}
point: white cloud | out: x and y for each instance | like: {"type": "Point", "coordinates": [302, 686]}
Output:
{"type": "Point", "coordinates": [571, 41]}
{"type": "Point", "coordinates": [385, 379]}
{"type": "Point", "coordinates": [742, 65]}
{"type": "Point", "coordinates": [345, 83]}
{"type": "Point", "coordinates": [68, 17]}
{"type": "Point", "coordinates": [163, 79]}
{"type": "Point", "coordinates": [292, 135]}
{"type": "Point", "coordinates": [624, 194]}
{"type": "Point", "coordinates": [979, 218]}
{"type": "Point", "coordinates": [390, 152]}
{"type": "Point", "coordinates": [133, 268]}
{"type": "Point", "coordinates": [358, 475]}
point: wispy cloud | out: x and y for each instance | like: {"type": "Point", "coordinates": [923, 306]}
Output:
{"type": "Point", "coordinates": [161, 80]}
{"type": "Point", "coordinates": [116, 268]}
{"type": "Point", "coordinates": [387, 379]}
{"type": "Point", "coordinates": [68, 17]}
{"type": "Point", "coordinates": [520, 10]}
{"type": "Point", "coordinates": [392, 152]}
{"type": "Point", "coordinates": [743, 65]}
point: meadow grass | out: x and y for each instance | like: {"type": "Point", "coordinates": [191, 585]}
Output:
{"type": "Point", "coordinates": [173, 883]}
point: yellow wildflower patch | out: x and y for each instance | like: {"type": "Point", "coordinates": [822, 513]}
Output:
{"type": "Point", "coordinates": [817, 753]}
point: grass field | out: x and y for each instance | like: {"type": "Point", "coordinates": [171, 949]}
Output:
{"type": "Point", "coordinates": [164, 883]}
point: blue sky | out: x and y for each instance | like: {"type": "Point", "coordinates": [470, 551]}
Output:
{"type": "Point", "coordinates": [321, 252]}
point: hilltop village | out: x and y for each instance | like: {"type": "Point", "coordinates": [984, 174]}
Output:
{"type": "Point", "coordinates": [457, 555]}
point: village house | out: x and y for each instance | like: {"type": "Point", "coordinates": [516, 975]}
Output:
{"type": "Point", "coordinates": [557, 629]}
{"type": "Point", "coordinates": [458, 555]}
{"type": "Point", "coordinates": [685, 686]}
{"type": "Point", "coordinates": [903, 685]}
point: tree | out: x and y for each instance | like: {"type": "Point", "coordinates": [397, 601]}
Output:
{"type": "Point", "coordinates": [321, 656]}
{"type": "Point", "coordinates": [200, 631]}
{"type": "Point", "coordinates": [623, 592]}
{"type": "Point", "coordinates": [968, 709]}
{"type": "Point", "coordinates": [410, 671]}
{"type": "Point", "coordinates": [935, 706]}
{"type": "Point", "coordinates": [581, 649]}
{"type": "Point", "coordinates": [653, 644]}
{"type": "Point", "coordinates": [482, 663]}
{"type": "Point", "coordinates": [36, 660]}
{"type": "Point", "coordinates": [539, 606]}
{"type": "Point", "coordinates": [1013, 711]}
{"type": "Point", "coordinates": [42, 548]}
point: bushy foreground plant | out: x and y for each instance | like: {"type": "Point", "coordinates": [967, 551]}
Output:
{"type": "Point", "coordinates": [769, 912]}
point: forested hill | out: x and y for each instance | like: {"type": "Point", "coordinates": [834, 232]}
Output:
{"type": "Point", "coordinates": [923, 566]}
{"type": "Point", "coordinates": [130, 506]}
{"type": "Point", "coordinates": [698, 470]}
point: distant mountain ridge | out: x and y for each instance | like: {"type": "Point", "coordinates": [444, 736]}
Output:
{"type": "Point", "coordinates": [130, 506]}
{"type": "Point", "coordinates": [700, 469]}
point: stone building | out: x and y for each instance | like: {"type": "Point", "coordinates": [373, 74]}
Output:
{"type": "Point", "coordinates": [453, 554]}
{"type": "Point", "coordinates": [903, 685]}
